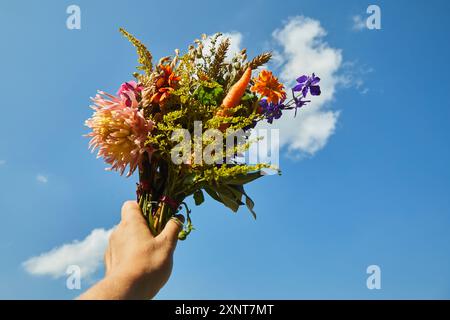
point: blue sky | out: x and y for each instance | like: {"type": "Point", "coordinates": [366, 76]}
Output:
{"type": "Point", "coordinates": [373, 190]}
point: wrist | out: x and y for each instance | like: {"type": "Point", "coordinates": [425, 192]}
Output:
{"type": "Point", "coordinates": [111, 287]}
{"type": "Point", "coordinates": [130, 285]}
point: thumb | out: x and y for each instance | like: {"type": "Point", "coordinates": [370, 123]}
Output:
{"type": "Point", "coordinates": [171, 230]}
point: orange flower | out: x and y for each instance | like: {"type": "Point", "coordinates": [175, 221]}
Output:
{"type": "Point", "coordinates": [164, 84]}
{"type": "Point", "coordinates": [267, 85]}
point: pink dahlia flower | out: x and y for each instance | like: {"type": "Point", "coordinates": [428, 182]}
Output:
{"type": "Point", "coordinates": [119, 131]}
{"type": "Point", "coordinates": [130, 93]}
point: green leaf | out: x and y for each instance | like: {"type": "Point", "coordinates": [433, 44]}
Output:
{"type": "Point", "coordinates": [189, 179]}
{"type": "Point", "coordinates": [236, 193]}
{"type": "Point", "coordinates": [248, 97]}
{"type": "Point", "coordinates": [212, 193]}
{"type": "Point", "coordinates": [198, 197]}
{"type": "Point", "coordinates": [231, 195]}
{"type": "Point", "coordinates": [250, 204]}
{"type": "Point", "coordinates": [228, 197]}
{"type": "Point", "coordinates": [248, 201]}
{"type": "Point", "coordinates": [245, 178]}
{"type": "Point", "coordinates": [209, 94]}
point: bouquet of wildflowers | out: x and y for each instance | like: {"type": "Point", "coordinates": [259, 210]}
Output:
{"type": "Point", "coordinates": [184, 124]}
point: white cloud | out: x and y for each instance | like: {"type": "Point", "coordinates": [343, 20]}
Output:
{"type": "Point", "coordinates": [353, 75]}
{"type": "Point", "coordinates": [304, 51]}
{"type": "Point", "coordinates": [41, 178]}
{"type": "Point", "coordinates": [359, 23]}
{"type": "Point", "coordinates": [87, 254]}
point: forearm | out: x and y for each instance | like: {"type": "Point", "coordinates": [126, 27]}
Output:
{"type": "Point", "coordinates": [113, 288]}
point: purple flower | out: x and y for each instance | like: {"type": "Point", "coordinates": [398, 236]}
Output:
{"type": "Point", "coordinates": [250, 126]}
{"type": "Point", "coordinates": [271, 110]}
{"type": "Point", "coordinates": [298, 102]}
{"type": "Point", "coordinates": [305, 83]}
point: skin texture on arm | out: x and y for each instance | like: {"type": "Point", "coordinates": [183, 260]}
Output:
{"type": "Point", "coordinates": [137, 264]}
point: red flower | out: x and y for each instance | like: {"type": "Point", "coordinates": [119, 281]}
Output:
{"type": "Point", "coordinates": [164, 84]}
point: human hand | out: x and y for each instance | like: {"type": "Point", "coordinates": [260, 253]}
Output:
{"type": "Point", "coordinates": [137, 263]}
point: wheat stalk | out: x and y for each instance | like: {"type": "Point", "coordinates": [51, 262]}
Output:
{"type": "Point", "coordinates": [219, 57]}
